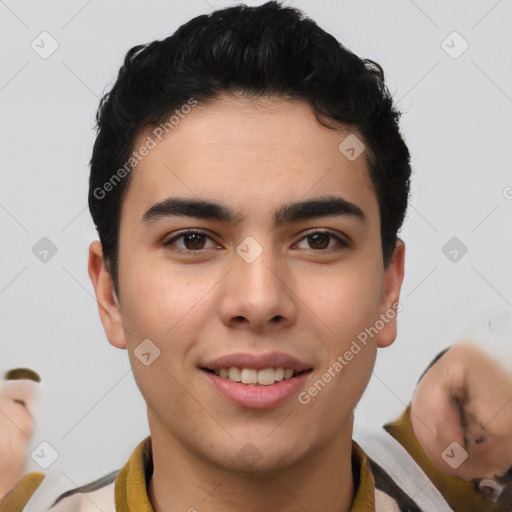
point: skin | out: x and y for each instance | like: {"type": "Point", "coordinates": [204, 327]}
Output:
{"type": "Point", "coordinates": [17, 426]}
{"type": "Point", "coordinates": [466, 379]}
{"type": "Point", "coordinates": [253, 156]}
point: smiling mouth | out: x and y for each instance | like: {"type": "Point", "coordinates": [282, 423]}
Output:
{"type": "Point", "coordinates": [253, 377]}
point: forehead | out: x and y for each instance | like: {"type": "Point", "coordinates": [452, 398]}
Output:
{"type": "Point", "coordinates": [250, 153]}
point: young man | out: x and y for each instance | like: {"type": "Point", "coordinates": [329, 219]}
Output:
{"type": "Point", "coordinates": [248, 181]}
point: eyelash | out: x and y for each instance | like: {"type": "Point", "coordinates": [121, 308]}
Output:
{"type": "Point", "coordinates": [169, 242]}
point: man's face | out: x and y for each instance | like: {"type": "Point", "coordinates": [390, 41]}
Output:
{"type": "Point", "coordinates": [251, 287]}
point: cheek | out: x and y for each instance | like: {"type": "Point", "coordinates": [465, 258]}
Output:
{"type": "Point", "coordinates": [352, 300]}
{"type": "Point", "coordinates": [158, 296]}
{"type": "Point", "coordinates": [349, 305]}
{"type": "Point", "coordinates": [168, 305]}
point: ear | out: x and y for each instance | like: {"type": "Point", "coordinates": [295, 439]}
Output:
{"type": "Point", "coordinates": [393, 278]}
{"type": "Point", "coordinates": [108, 303]}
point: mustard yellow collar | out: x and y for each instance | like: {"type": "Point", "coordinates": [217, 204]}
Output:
{"type": "Point", "coordinates": [131, 481]}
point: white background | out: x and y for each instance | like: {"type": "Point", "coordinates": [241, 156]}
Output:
{"type": "Point", "coordinates": [456, 122]}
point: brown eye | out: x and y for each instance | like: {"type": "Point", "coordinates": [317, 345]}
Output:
{"type": "Point", "coordinates": [320, 241]}
{"type": "Point", "coordinates": [191, 241]}
{"type": "Point", "coordinates": [21, 402]}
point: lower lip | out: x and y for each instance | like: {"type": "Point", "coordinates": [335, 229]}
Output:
{"type": "Point", "coordinates": [257, 397]}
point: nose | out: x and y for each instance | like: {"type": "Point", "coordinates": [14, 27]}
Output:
{"type": "Point", "coordinates": [258, 293]}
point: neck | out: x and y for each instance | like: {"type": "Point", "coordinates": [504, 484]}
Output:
{"type": "Point", "coordinates": [183, 481]}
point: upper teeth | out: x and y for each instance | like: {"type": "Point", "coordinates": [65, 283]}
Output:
{"type": "Point", "coordinates": [265, 377]}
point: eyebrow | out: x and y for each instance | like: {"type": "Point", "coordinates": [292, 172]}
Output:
{"type": "Point", "coordinates": [329, 206]}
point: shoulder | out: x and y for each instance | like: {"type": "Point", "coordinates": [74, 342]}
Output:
{"type": "Point", "coordinates": [18, 497]}
{"type": "Point", "coordinates": [94, 496]}
{"type": "Point", "coordinates": [374, 481]}
{"type": "Point", "coordinates": [117, 487]}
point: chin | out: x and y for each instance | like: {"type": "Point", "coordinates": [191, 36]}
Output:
{"type": "Point", "coordinates": [259, 454]}
{"type": "Point", "coordinates": [262, 464]}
